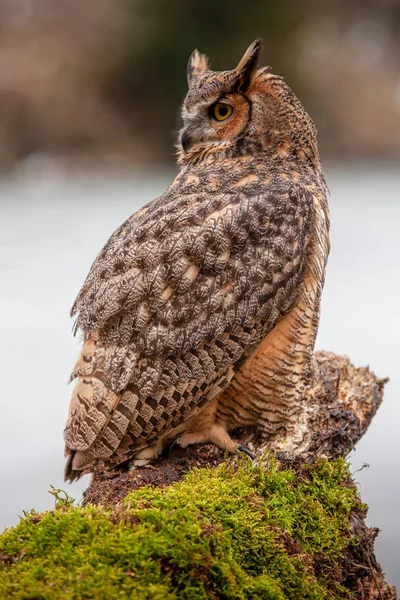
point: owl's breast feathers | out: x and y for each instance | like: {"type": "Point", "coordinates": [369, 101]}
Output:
{"type": "Point", "coordinates": [183, 291]}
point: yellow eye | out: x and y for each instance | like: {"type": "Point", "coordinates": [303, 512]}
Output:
{"type": "Point", "coordinates": [221, 111]}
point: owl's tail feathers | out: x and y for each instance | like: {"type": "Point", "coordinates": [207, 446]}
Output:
{"type": "Point", "coordinates": [93, 430]}
{"type": "Point", "coordinates": [91, 407]}
{"type": "Point", "coordinates": [78, 463]}
{"type": "Point", "coordinates": [71, 474]}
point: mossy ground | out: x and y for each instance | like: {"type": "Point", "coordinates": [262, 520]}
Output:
{"type": "Point", "coordinates": [234, 532]}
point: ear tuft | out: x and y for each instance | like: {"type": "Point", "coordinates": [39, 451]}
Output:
{"type": "Point", "coordinates": [197, 62]}
{"type": "Point", "coordinates": [248, 63]}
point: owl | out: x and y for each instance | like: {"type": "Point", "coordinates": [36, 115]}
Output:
{"type": "Point", "coordinates": [200, 313]}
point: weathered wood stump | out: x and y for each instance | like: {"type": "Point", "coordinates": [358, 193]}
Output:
{"type": "Point", "coordinates": [338, 411]}
{"type": "Point", "coordinates": [288, 525]}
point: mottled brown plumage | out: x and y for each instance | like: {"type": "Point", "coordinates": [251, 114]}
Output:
{"type": "Point", "coordinates": [201, 311]}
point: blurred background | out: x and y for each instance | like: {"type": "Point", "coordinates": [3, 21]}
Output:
{"type": "Point", "coordinates": [89, 102]}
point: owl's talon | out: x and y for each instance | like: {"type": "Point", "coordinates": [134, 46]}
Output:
{"type": "Point", "coordinates": [138, 463]}
{"type": "Point", "coordinates": [174, 444]}
{"type": "Point", "coordinates": [245, 450]}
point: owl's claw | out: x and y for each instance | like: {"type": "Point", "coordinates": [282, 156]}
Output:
{"type": "Point", "coordinates": [174, 444]}
{"type": "Point", "coordinates": [245, 450]}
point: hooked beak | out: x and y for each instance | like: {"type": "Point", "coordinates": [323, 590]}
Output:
{"type": "Point", "coordinates": [186, 142]}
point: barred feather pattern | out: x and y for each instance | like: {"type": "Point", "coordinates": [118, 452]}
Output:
{"type": "Point", "coordinates": [188, 290]}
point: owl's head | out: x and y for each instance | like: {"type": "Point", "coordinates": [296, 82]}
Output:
{"type": "Point", "coordinates": [245, 111]}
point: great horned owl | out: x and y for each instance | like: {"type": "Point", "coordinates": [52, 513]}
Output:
{"type": "Point", "coordinates": [200, 313]}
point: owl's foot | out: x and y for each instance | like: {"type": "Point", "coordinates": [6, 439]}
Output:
{"type": "Point", "coordinates": [245, 450]}
{"type": "Point", "coordinates": [145, 456]}
{"type": "Point", "coordinates": [216, 434]}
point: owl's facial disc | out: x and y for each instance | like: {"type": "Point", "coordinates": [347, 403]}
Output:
{"type": "Point", "coordinates": [212, 124]}
{"type": "Point", "coordinates": [216, 110]}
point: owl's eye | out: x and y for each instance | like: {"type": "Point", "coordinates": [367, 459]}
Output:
{"type": "Point", "coordinates": [221, 111]}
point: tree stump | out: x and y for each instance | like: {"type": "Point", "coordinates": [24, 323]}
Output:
{"type": "Point", "coordinates": [287, 525]}
{"type": "Point", "coordinates": [338, 410]}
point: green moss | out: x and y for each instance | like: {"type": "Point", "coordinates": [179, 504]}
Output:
{"type": "Point", "coordinates": [228, 533]}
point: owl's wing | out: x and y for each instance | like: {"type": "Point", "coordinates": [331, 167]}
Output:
{"type": "Point", "coordinates": [185, 289]}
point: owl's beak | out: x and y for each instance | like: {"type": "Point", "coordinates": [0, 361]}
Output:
{"type": "Point", "coordinates": [186, 142]}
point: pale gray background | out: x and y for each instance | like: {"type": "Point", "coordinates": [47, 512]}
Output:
{"type": "Point", "coordinates": [51, 227]}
